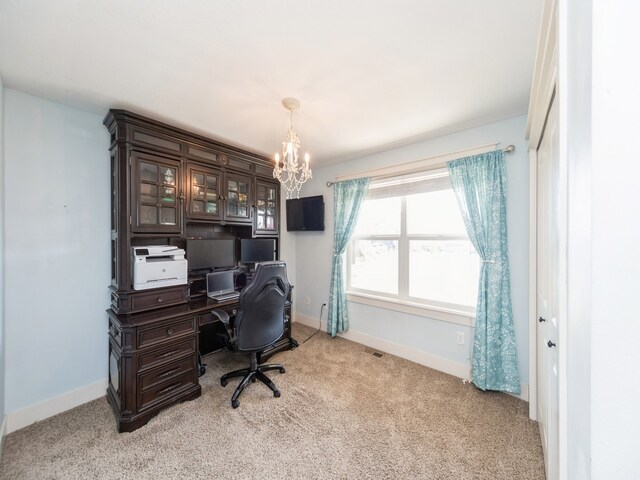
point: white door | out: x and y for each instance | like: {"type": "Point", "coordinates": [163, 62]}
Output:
{"type": "Point", "coordinates": [548, 202]}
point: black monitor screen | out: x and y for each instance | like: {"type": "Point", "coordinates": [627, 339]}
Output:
{"type": "Point", "coordinates": [211, 253]}
{"type": "Point", "coordinates": [257, 250]}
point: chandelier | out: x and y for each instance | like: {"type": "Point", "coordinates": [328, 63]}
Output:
{"type": "Point", "coordinates": [291, 175]}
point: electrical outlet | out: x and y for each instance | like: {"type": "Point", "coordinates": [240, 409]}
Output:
{"type": "Point", "coordinates": [307, 301]}
{"type": "Point", "coordinates": [460, 338]}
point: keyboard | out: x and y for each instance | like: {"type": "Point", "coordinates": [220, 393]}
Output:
{"type": "Point", "coordinates": [224, 298]}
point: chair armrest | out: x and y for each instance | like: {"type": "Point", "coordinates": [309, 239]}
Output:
{"type": "Point", "coordinates": [221, 315]}
{"type": "Point", "coordinates": [228, 339]}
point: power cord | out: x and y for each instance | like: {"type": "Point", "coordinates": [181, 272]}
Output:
{"type": "Point", "coordinates": [319, 323]}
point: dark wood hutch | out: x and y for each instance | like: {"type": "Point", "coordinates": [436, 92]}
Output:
{"type": "Point", "coordinates": [169, 185]}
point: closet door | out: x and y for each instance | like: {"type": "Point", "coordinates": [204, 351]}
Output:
{"type": "Point", "coordinates": [547, 289]}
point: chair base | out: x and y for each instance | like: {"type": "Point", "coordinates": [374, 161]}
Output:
{"type": "Point", "coordinates": [251, 374]}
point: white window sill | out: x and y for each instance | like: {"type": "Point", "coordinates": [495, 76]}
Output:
{"type": "Point", "coordinates": [450, 315]}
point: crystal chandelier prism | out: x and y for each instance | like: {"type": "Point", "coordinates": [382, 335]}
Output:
{"type": "Point", "coordinates": [290, 174]}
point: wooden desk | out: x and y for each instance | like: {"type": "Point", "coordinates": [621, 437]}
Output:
{"type": "Point", "coordinates": [153, 357]}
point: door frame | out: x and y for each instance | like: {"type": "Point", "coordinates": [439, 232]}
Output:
{"type": "Point", "coordinates": [542, 90]}
{"type": "Point", "coordinates": [545, 84]}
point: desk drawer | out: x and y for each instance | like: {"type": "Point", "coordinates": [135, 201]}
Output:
{"type": "Point", "coordinates": [166, 373]}
{"type": "Point", "coordinates": [166, 354]}
{"type": "Point", "coordinates": [151, 336]}
{"type": "Point", "coordinates": [150, 300]}
{"type": "Point", "coordinates": [162, 391]}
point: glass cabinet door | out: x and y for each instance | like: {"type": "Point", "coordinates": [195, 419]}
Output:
{"type": "Point", "coordinates": [267, 211]}
{"type": "Point", "coordinates": [204, 193]}
{"type": "Point", "coordinates": [237, 198]}
{"type": "Point", "coordinates": [156, 194]}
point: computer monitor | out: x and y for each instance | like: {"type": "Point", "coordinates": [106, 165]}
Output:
{"type": "Point", "coordinates": [209, 254]}
{"type": "Point", "coordinates": [254, 250]}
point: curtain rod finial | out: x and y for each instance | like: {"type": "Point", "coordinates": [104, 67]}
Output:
{"type": "Point", "coordinates": [509, 149]}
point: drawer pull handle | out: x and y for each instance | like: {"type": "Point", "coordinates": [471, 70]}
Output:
{"type": "Point", "coordinates": [160, 299]}
{"type": "Point", "coordinates": [170, 372]}
{"type": "Point", "coordinates": [169, 388]}
{"type": "Point", "coordinates": [168, 354]}
{"type": "Point", "coordinates": [169, 331]}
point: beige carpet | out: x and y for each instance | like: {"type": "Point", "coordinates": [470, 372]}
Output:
{"type": "Point", "coordinates": [344, 414]}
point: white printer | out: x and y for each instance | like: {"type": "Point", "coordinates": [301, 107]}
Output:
{"type": "Point", "coordinates": [158, 266]}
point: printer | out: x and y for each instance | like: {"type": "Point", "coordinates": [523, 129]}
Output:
{"type": "Point", "coordinates": [158, 266]}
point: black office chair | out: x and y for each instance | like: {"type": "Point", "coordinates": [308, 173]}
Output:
{"type": "Point", "coordinates": [259, 323]}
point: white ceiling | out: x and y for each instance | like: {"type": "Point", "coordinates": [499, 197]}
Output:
{"type": "Point", "coordinates": [369, 74]}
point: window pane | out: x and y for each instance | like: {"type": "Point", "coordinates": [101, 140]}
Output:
{"type": "Point", "coordinates": [148, 172]}
{"type": "Point", "coordinates": [197, 206]}
{"type": "Point", "coordinates": [375, 265]}
{"type": "Point", "coordinates": [198, 178]}
{"type": "Point", "coordinates": [169, 176]}
{"type": "Point", "coordinates": [434, 213]}
{"type": "Point", "coordinates": [379, 217]}
{"type": "Point", "coordinates": [148, 193]}
{"type": "Point", "coordinates": [212, 208]}
{"type": "Point", "coordinates": [148, 214]}
{"type": "Point", "coordinates": [444, 270]}
{"type": "Point", "coordinates": [168, 216]}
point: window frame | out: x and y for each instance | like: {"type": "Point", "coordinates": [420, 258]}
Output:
{"type": "Point", "coordinates": [402, 301]}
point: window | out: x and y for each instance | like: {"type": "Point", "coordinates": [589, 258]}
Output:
{"type": "Point", "coordinates": [411, 246]}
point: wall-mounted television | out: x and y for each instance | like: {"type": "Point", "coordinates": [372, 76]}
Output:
{"type": "Point", "coordinates": [209, 254]}
{"type": "Point", "coordinates": [305, 214]}
{"type": "Point", "coordinates": [254, 250]}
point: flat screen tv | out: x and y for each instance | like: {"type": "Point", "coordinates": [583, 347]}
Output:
{"type": "Point", "coordinates": [254, 250]}
{"type": "Point", "coordinates": [210, 254]}
{"type": "Point", "coordinates": [305, 214]}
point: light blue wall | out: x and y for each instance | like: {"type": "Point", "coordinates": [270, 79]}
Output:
{"type": "Point", "coordinates": [57, 249]}
{"type": "Point", "coordinates": [2, 195]}
{"type": "Point", "coordinates": [313, 249]}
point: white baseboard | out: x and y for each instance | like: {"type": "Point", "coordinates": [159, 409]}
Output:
{"type": "Point", "coordinates": [3, 432]}
{"type": "Point", "coordinates": [48, 408]}
{"type": "Point", "coordinates": [456, 369]}
{"type": "Point", "coordinates": [460, 370]}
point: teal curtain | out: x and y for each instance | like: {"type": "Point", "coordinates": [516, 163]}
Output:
{"type": "Point", "coordinates": [347, 199]}
{"type": "Point", "coordinates": [479, 184]}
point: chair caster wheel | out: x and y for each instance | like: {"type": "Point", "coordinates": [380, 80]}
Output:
{"type": "Point", "coordinates": [282, 370]}
{"type": "Point", "coordinates": [223, 383]}
{"type": "Point", "coordinates": [235, 403]}
{"type": "Point", "coordinates": [253, 379]}
{"type": "Point", "coordinates": [276, 393]}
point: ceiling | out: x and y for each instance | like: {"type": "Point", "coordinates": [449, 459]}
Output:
{"type": "Point", "coordinates": [370, 75]}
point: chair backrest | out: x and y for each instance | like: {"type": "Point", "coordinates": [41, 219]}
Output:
{"type": "Point", "coordinates": [259, 321]}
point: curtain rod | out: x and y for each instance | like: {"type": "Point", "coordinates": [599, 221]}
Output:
{"type": "Point", "coordinates": [507, 149]}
